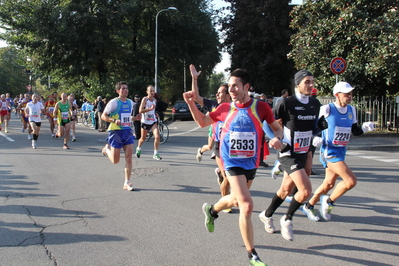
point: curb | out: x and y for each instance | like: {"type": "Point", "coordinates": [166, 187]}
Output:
{"type": "Point", "coordinates": [373, 147]}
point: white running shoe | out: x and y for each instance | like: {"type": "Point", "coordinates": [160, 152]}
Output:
{"type": "Point", "coordinates": [310, 213]}
{"type": "Point", "coordinates": [199, 155]}
{"type": "Point", "coordinates": [269, 227]}
{"type": "Point", "coordinates": [6, 130]}
{"type": "Point", "coordinates": [276, 169]}
{"type": "Point", "coordinates": [128, 186]}
{"type": "Point", "coordinates": [219, 176]}
{"type": "Point", "coordinates": [286, 229]}
{"type": "Point", "coordinates": [34, 144]}
{"type": "Point", "coordinates": [23, 130]}
{"type": "Point", "coordinates": [325, 208]}
{"type": "Point", "coordinates": [52, 135]}
{"type": "Point", "coordinates": [30, 136]}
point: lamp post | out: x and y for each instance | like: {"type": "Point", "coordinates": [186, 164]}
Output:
{"type": "Point", "coordinates": [156, 46]}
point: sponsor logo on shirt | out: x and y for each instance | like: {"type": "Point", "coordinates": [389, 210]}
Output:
{"type": "Point", "coordinates": [306, 117]}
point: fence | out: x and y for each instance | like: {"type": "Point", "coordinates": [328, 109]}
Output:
{"type": "Point", "coordinates": [382, 110]}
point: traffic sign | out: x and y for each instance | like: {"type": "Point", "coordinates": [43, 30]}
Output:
{"type": "Point", "coordinates": [338, 65]}
{"type": "Point", "coordinates": [29, 88]}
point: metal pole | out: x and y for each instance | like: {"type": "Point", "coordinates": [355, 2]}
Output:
{"type": "Point", "coordinates": [157, 89]}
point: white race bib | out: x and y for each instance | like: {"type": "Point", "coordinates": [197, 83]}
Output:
{"type": "Point", "coordinates": [341, 136]}
{"type": "Point", "coordinates": [125, 120]}
{"type": "Point", "coordinates": [242, 144]}
{"type": "Point", "coordinates": [302, 141]}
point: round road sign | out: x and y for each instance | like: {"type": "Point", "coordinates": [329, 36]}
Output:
{"type": "Point", "coordinates": [338, 65]}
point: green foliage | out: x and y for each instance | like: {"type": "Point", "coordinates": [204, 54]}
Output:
{"type": "Point", "coordinates": [215, 80]}
{"type": "Point", "coordinates": [13, 78]}
{"type": "Point", "coordinates": [257, 37]}
{"type": "Point", "coordinates": [89, 45]}
{"type": "Point", "coordinates": [363, 32]}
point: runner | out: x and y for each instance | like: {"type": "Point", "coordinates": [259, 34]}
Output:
{"type": "Point", "coordinates": [222, 96]}
{"type": "Point", "coordinates": [342, 121]}
{"type": "Point", "coordinates": [4, 111]}
{"type": "Point", "coordinates": [63, 112]}
{"type": "Point", "coordinates": [149, 121]}
{"type": "Point", "coordinates": [298, 116]}
{"type": "Point", "coordinates": [21, 110]}
{"type": "Point", "coordinates": [49, 110]}
{"type": "Point", "coordinates": [33, 111]}
{"type": "Point", "coordinates": [241, 140]}
{"type": "Point", "coordinates": [74, 118]}
{"type": "Point", "coordinates": [118, 112]}
{"type": "Point", "coordinates": [11, 106]}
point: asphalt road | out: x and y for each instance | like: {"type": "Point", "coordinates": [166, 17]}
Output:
{"type": "Point", "coordinates": [67, 207]}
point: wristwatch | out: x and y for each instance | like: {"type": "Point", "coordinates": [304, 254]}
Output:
{"type": "Point", "coordinates": [114, 120]}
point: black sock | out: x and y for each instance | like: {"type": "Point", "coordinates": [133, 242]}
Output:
{"type": "Point", "coordinates": [214, 213]}
{"type": "Point", "coordinates": [292, 208]}
{"type": "Point", "coordinates": [276, 202]}
{"type": "Point", "coordinates": [252, 254]}
{"type": "Point", "coordinates": [329, 201]}
{"type": "Point", "coordinates": [309, 206]}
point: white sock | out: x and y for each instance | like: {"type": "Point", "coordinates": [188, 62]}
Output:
{"type": "Point", "coordinates": [139, 148]}
{"type": "Point", "coordinates": [155, 152]}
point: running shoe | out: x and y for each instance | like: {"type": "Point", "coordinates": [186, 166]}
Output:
{"type": "Point", "coordinates": [276, 169]}
{"type": "Point", "coordinates": [138, 153]}
{"type": "Point", "coordinates": [213, 156]}
{"type": "Point", "coordinates": [73, 139]}
{"type": "Point", "coordinates": [209, 219]}
{"type": "Point", "coordinates": [128, 186]}
{"type": "Point", "coordinates": [30, 136]}
{"type": "Point", "coordinates": [104, 150]}
{"type": "Point", "coordinates": [23, 130]}
{"type": "Point", "coordinates": [255, 261]}
{"type": "Point", "coordinates": [262, 163]}
{"type": "Point", "coordinates": [6, 130]}
{"type": "Point", "coordinates": [199, 155]}
{"type": "Point", "coordinates": [34, 144]}
{"type": "Point", "coordinates": [325, 208]}
{"type": "Point", "coordinates": [219, 176]}
{"type": "Point", "coordinates": [286, 229]}
{"type": "Point", "coordinates": [157, 157]}
{"type": "Point", "coordinates": [310, 213]}
{"type": "Point", "coordinates": [65, 147]}
{"type": "Point", "coordinates": [269, 227]}
{"type": "Point", "coordinates": [228, 210]}
{"type": "Point", "coordinates": [289, 198]}
{"type": "Point", "coordinates": [52, 135]}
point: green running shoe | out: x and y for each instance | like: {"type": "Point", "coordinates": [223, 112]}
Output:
{"type": "Point", "coordinates": [157, 157]}
{"type": "Point", "coordinates": [255, 261]}
{"type": "Point", "coordinates": [209, 219]}
{"type": "Point", "coordinates": [138, 153]}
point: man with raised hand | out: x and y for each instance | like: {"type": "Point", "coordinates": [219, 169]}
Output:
{"type": "Point", "coordinates": [240, 149]}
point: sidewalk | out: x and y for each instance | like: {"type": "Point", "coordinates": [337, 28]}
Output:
{"type": "Point", "coordinates": [375, 142]}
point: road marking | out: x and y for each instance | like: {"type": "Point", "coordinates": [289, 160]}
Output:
{"type": "Point", "coordinates": [182, 133]}
{"type": "Point", "coordinates": [7, 137]}
{"type": "Point", "coordinates": [375, 158]}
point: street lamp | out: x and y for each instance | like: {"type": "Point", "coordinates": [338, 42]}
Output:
{"type": "Point", "coordinates": [156, 46]}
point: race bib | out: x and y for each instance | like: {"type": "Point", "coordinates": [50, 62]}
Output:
{"type": "Point", "coordinates": [64, 115]}
{"type": "Point", "coordinates": [341, 136]}
{"type": "Point", "coordinates": [149, 118]}
{"type": "Point", "coordinates": [242, 144]}
{"type": "Point", "coordinates": [51, 110]}
{"type": "Point", "coordinates": [34, 114]}
{"type": "Point", "coordinates": [125, 120]}
{"type": "Point", "coordinates": [302, 141]}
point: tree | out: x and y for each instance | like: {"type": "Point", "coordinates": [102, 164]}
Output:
{"type": "Point", "coordinates": [215, 80]}
{"type": "Point", "coordinates": [363, 32]}
{"type": "Point", "coordinates": [13, 76]}
{"type": "Point", "coordinates": [91, 44]}
{"type": "Point", "coordinates": [257, 37]}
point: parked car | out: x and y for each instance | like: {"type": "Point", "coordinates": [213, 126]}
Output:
{"type": "Point", "coordinates": [181, 111]}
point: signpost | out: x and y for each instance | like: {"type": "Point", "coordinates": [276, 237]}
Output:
{"type": "Point", "coordinates": [338, 66]}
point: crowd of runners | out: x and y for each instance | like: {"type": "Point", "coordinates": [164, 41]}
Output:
{"type": "Point", "coordinates": [241, 131]}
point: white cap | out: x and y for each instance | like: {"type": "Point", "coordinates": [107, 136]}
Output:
{"type": "Point", "coordinates": [343, 87]}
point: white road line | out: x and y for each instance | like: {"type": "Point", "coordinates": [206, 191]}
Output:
{"type": "Point", "coordinates": [7, 137]}
{"type": "Point", "coordinates": [182, 133]}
